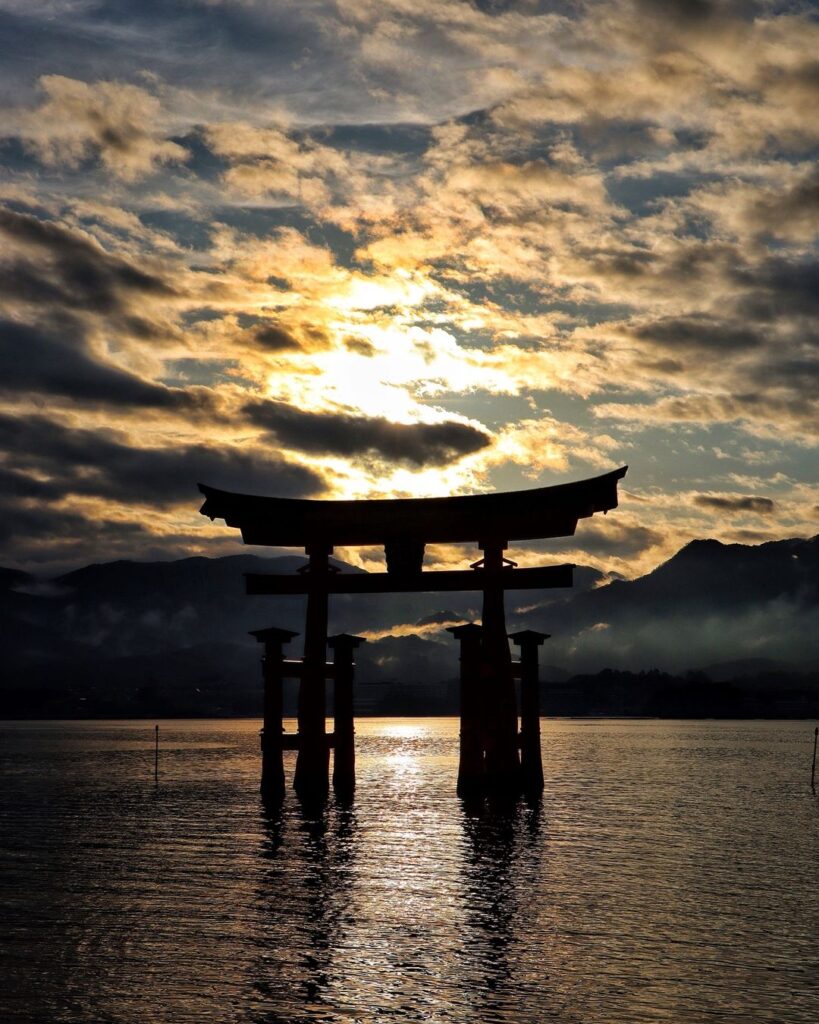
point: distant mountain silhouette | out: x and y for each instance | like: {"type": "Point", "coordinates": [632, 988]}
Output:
{"type": "Point", "coordinates": [171, 637]}
{"type": "Point", "coordinates": [741, 668]}
{"type": "Point", "coordinates": [709, 603]}
{"type": "Point", "coordinates": [707, 573]}
{"type": "Point", "coordinates": [10, 578]}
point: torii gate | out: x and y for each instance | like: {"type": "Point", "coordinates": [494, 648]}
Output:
{"type": "Point", "coordinates": [493, 755]}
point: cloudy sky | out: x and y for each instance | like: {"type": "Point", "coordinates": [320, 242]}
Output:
{"type": "Point", "coordinates": [406, 247]}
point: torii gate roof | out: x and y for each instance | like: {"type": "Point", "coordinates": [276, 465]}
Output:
{"type": "Point", "coordinates": [511, 515]}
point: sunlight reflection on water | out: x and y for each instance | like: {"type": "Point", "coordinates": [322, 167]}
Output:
{"type": "Point", "coordinates": [669, 873]}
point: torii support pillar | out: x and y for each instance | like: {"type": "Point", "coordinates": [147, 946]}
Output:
{"type": "Point", "coordinates": [342, 647]}
{"type": "Point", "coordinates": [531, 764]}
{"type": "Point", "coordinates": [471, 777]}
{"type": "Point", "coordinates": [498, 687]}
{"type": "Point", "coordinates": [312, 778]}
{"type": "Point", "coordinates": [272, 784]}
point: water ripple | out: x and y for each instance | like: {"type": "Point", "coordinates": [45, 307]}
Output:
{"type": "Point", "coordinates": [668, 874]}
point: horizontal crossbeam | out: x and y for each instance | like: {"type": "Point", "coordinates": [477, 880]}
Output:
{"type": "Point", "coordinates": [292, 740]}
{"type": "Point", "coordinates": [294, 669]}
{"type": "Point", "coordinates": [514, 515]}
{"type": "Point", "coordinates": [538, 578]}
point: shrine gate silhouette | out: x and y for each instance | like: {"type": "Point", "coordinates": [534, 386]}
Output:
{"type": "Point", "coordinates": [494, 755]}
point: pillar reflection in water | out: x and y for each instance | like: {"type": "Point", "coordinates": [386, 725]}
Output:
{"type": "Point", "coordinates": [501, 861]}
{"type": "Point", "coordinates": [302, 901]}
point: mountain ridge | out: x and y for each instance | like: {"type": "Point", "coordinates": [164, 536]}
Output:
{"type": "Point", "coordinates": [112, 630]}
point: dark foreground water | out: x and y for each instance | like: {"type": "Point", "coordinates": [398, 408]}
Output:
{"type": "Point", "coordinates": [671, 873]}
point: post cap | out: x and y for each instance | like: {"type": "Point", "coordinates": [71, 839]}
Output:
{"type": "Point", "coordinates": [341, 640]}
{"type": "Point", "coordinates": [528, 636]}
{"type": "Point", "coordinates": [466, 629]}
{"type": "Point", "coordinates": [272, 635]}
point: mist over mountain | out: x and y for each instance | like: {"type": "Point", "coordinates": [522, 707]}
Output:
{"type": "Point", "coordinates": [172, 637]}
{"type": "Point", "coordinates": [710, 603]}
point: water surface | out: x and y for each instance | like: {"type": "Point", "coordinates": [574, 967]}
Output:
{"type": "Point", "coordinates": [670, 873]}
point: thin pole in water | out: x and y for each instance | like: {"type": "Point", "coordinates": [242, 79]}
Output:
{"type": "Point", "coordinates": [156, 755]}
{"type": "Point", "coordinates": [813, 766]}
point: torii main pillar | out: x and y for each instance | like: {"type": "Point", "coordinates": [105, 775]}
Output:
{"type": "Point", "coordinates": [312, 778]}
{"type": "Point", "coordinates": [500, 727]}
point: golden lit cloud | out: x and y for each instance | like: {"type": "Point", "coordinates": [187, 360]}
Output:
{"type": "Point", "coordinates": [114, 121]}
{"type": "Point", "coordinates": [441, 250]}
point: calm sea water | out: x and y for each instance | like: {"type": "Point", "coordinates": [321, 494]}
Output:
{"type": "Point", "coordinates": [670, 873]}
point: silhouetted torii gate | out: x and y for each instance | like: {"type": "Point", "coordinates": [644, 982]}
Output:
{"type": "Point", "coordinates": [493, 755]}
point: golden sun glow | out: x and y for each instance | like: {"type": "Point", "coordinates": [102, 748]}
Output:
{"type": "Point", "coordinates": [380, 253]}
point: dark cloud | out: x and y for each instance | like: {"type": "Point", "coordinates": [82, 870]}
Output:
{"type": "Point", "coordinates": [360, 346]}
{"type": "Point", "coordinates": [698, 332]}
{"type": "Point", "coordinates": [55, 359]}
{"type": "Point", "coordinates": [26, 528]}
{"type": "Point", "coordinates": [629, 264]}
{"type": "Point", "coordinates": [797, 374]}
{"type": "Point", "coordinates": [436, 618]}
{"type": "Point", "coordinates": [70, 285]}
{"type": "Point", "coordinates": [87, 462]}
{"type": "Point", "coordinates": [669, 367]}
{"type": "Point", "coordinates": [697, 17]}
{"type": "Point", "coordinates": [58, 538]}
{"type": "Point", "coordinates": [275, 338]}
{"type": "Point", "coordinates": [735, 503]}
{"type": "Point", "coordinates": [778, 288]}
{"type": "Point", "coordinates": [699, 270]}
{"type": "Point", "coordinates": [677, 10]}
{"type": "Point", "coordinates": [78, 273]}
{"type": "Point", "coordinates": [421, 444]}
{"type": "Point", "coordinates": [269, 335]}
{"type": "Point", "coordinates": [15, 486]}
{"type": "Point", "coordinates": [608, 538]}
{"type": "Point", "coordinates": [794, 209]}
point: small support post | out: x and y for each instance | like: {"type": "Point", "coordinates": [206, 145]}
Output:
{"type": "Point", "coordinates": [531, 764]}
{"type": "Point", "coordinates": [471, 775]}
{"type": "Point", "coordinates": [342, 647]}
{"type": "Point", "coordinates": [404, 556]}
{"type": "Point", "coordinates": [500, 705]}
{"type": "Point", "coordinates": [272, 783]}
{"type": "Point", "coordinates": [312, 778]}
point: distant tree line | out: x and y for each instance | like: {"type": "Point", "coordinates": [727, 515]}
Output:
{"type": "Point", "coordinates": [611, 692]}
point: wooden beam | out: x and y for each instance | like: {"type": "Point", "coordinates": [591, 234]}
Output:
{"type": "Point", "coordinates": [291, 741]}
{"type": "Point", "coordinates": [294, 669]}
{"type": "Point", "coordinates": [515, 515]}
{"type": "Point", "coordinates": [538, 578]}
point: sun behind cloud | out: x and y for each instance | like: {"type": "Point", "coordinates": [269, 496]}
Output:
{"type": "Point", "coordinates": [329, 265]}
